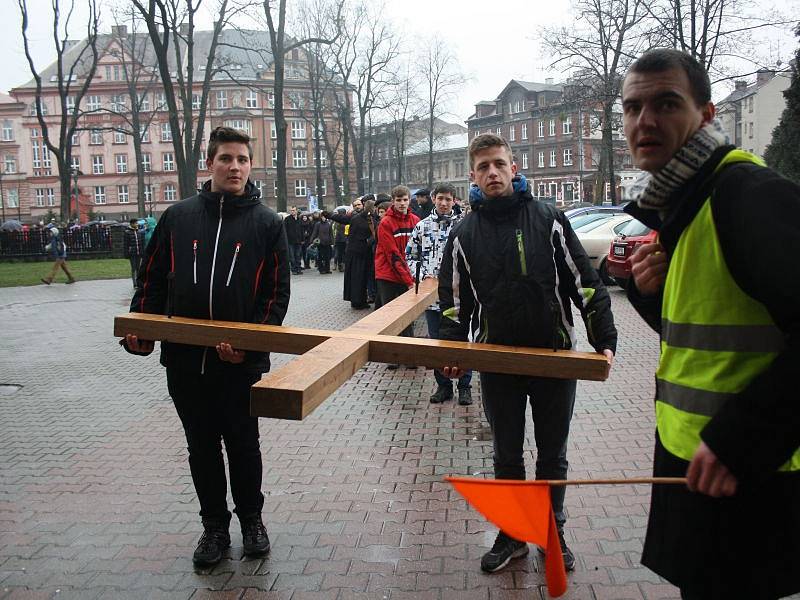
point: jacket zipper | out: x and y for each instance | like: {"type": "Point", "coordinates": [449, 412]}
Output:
{"type": "Point", "coordinates": [194, 266]}
{"type": "Point", "coordinates": [233, 264]}
{"type": "Point", "coordinates": [211, 283]}
{"type": "Point", "coordinates": [521, 250]}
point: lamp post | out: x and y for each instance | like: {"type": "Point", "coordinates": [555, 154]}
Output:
{"type": "Point", "coordinates": [75, 172]}
{"type": "Point", "coordinates": [2, 196]}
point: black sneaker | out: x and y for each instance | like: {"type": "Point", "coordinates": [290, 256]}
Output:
{"type": "Point", "coordinates": [442, 394]}
{"type": "Point", "coordinates": [505, 548]}
{"type": "Point", "coordinates": [566, 553]}
{"type": "Point", "coordinates": [254, 536]}
{"type": "Point", "coordinates": [464, 396]}
{"type": "Point", "coordinates": [214, 541]}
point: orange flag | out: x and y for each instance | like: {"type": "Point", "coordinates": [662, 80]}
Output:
{"type": "Point", "coordinates": [522, 509]}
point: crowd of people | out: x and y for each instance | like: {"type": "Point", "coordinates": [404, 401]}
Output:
{"type": "Point", "coordinates": [510, 272]}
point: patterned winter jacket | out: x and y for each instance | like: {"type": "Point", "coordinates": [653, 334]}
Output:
{"type": "Point", "coordinates": [426, 245]}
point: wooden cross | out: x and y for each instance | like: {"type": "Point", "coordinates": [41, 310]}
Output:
{"type": "Point", "coordinates": [329, 358]}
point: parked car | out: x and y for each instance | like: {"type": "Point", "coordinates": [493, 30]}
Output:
{"type": "Point", "coordinates": [633, 235]}
{"type": "Point", "coordinates": [584, 219]}
{"type": "Point", "coordinates": [572, 213]}
{"type": "Point", "coordinates": [596, 237]}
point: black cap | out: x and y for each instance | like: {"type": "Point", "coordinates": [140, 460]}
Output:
{"type": "Point", "coordinates": [422, 192]}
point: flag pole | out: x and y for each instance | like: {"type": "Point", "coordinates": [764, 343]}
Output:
{"type": "Point", "coordinates": [629, 481]}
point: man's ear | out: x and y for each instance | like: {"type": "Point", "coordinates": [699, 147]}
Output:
{"type": "Point", "coordinates": [709, 112]}
{"type": "Point", "coordinates": [513, 168]}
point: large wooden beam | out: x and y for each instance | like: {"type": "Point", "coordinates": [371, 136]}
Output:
{"type": "Point", "coordinates": [398, 314]}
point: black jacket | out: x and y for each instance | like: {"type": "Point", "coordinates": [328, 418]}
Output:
{"type": "Point", "coordinates": [323, 231]}
{"type": "Point", "coordinates": [294, 229]}
{"type": "Point", "coordinates": [229, 267]}
{"type": "Point", "coordinates": [525, 265]}
{"type": "Point", "coordinates": [133, 242]}
{"type": "Point", "coordinates": [361, 237]}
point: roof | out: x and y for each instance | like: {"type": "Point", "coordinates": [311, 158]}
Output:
{"type": "Point", "coordinates": [532, 86]}
{"type": "Point", "coordinates": [442, 144]}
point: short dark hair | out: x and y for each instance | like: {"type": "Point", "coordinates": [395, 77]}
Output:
{"type": "Point", "coordinates": [381, 197]}
{"type": "Point", "coordinates": [444, 188]}
{"type": "Point", "coordinates": [399, 191]}
{"type": "Point", "coordinates": [134, 222]}
{"type": "Point", "coordinates": [223, 135]}
{"type": "Point", "coordinates": [383, 205]}
{"type": "Point", "coordinates": [659, 60]}
{"type": "Point", "coordinates": [484, 141]}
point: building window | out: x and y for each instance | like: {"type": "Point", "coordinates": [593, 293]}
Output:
{"type": "Point", "coordinates": [168, 161]}
{"type": "Point", "coordinates": [36, 155]}
{"type": "Point", "coordinates": [13, 198]}
{"type": "Point", "coordinates": [252, 99]}
{"type": "Point", "coordinates": [552, 158]}
{"type": "Point", "coordinates": [41, 104]}
{"type": "Point", "coordinates": [118, 103]}
{"type": "Point", "coordinates": [93, 103]}
{"type": "Point", "coordinates": [161, 100]}
{"type": "Point", "coordinates": [51, 196]}
{"type": "Point", "coordinates": [274, 157]}
{"type": "Point", "coordinates": [275, 188]}
{"type": "Point", "coordinates": [120, 137]}
{"type": "Point", "coordinates": [298, 130]}
{"type": "Point", "coordinates": [146, 164]}
{"type": "Point", "coordinates": [240, 124]}
{"type": "Point", "coordinates": [95, 137]}
{"type": "Point", "coordinates": [751, 129]}
{"type": "Point", "coordinates": [567, 157]}
{"type": "Point", "coordinates": [512, 133]}
{"type": "Point", "coordinates": [271, 99]}
{"type": "Point", "coordinates": [524, 135]}
{"type": "Point", "coordinates": [195, 101]}
{"type": "Point", "coordinates": [273, 131]}
{"type": "Point", "coordinates": [201, 161]}
{"type": "Point", "coordinates": [74, 140]}
{"type": "Point", "coordinates": [300, 188]}
{"type": "Point", "coordinates": [541, 129]}
{"type": "Point", "coordinates": [70, 103]}
{"type": "Point", "coordinates": [75, 163]}
{"type": "Point", "coordinates": [8, 130]}
{"type": "Point", "coordinates": [40, 197]}
{"type": "Point", "coordinates": [169, 192]}
{"type": "Point", "coordinates": [166, 132]}
{"type": "Point", "coordinates": [524, 160]}
{"type": "Point", "coordinates": [122, 163]}
{"type": "Point", "coordinates": [540, 162]}
{"type": "Point", "coordinates": [518, 106]}
{"type": "Point", "coordinates": [323, 191]}
{"type": "Point", "coordinates": [566, 125]}
{"type": "Point", "coordinates": [299, 159]}
{"type": "Point", "coordinates": [144, 134]}
{"type": "Point", "coordinates": [98, 167]}
{"type": "Point", "coordinates": [144, 103]}
{"type": "Point", "coordinates": [148, 193]}
{"type": "Point", "coordinates": [323, 159]}
{"type": "Point", "coordinates": [222, 99]}
{"type": "Point", "coordinates": [34, 132]}
{"type": "Point", "coordinates": [10, 164]}
{"type": "Point", "coordinates": [99, 194]}
{"type": "Point", "coordinates": [123, 197]}
{"type": "Point", "coordinates": [551, 130]}
{"type": "Point", "coordinates": [499, 132]}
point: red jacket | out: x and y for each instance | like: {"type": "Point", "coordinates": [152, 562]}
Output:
{"type": "Point", "coordinates": [390, 253]}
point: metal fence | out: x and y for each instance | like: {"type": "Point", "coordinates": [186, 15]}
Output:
{"type": "Point", "coordinates": [83, 240]}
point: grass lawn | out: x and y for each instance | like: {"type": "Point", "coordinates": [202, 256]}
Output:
{"type": "Point", "coordinates": [30, 273]}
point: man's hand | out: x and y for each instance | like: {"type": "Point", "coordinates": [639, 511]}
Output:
{"type": "Point", "coordinates": [452, 372]}
{"type": "Point", "coordinates": [226, 353]}
{"type": "Point", "coordinates": [134, 344]}
{"type": "Point", "coordinates": [609, 356]}
{"type": "Point", "coordinates": [649, 266]}
{"type": "Point", "coordinates": [707, 475]}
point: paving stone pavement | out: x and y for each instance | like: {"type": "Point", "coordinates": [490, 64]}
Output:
{"type": "Point", "coordinates": [96, 500]}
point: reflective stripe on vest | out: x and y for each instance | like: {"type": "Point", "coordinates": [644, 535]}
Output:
{"type": "Point", "coordinates": [715, 338]}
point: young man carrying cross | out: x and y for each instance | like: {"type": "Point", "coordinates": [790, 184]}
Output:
{"type": "Point", "coordinates": [220, 254]}
{"type": "Point", "coordinates": [509, 272]}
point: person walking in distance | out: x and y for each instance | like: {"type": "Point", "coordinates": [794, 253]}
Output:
{"type": "Point", "coordinates": [134, 247]}
{"type": "Point", "coordinates": [221, 254]}
{"type": "Point", "coordinates": [57, 249]}
{"type": "Point", "coordinates": [294, 236]}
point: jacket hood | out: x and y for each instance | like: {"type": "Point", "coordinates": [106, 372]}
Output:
{"type": "Point", "coordinates": [250, 197]}
{"type": "Point", "coordinates": [522, 193]}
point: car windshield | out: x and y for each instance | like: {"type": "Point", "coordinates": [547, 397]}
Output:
{"type": "Point", "coordinates": [583, 220]}
{"type": "Point", "coordinates": [635, 228]}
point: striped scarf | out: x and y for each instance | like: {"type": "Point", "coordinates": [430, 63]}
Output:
{"type": "Point", "coordinates": [653, 190]}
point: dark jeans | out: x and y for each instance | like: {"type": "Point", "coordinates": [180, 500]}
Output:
{"type": "Point", "coordinates": [136, 262]}
{"type": "Point", "coordinates": [434, 319]}
{"type": "Point", "coordinates": [213, 408]}
{"type": "Point", "coordinates": [323, 258]}
{"type": "Point", "coordinates": [388, 291]}
{"type": "Point", "coordinates": [296, 257]}
{"type": "Point", "coordinates": [552, 400]}
{"type": "Point", "coordinates": [339, 249]}
{"type": "Point", "coordinates": [305, 255]}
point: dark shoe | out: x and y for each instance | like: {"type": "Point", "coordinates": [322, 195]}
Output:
{"type": "Point", "coordinates": [45, 281]}
{"type": "Point", "coordinates": [214, 541]}
{"type": "Point", "coordinates": [71, 281]}
{"type": "Point", "coordinates": [505, 548]}
{"type": "Point", "coordinates": [442, 394]}
{"type": "Point", "coordinates": [566, 553]}
{"type": "Point", "coordinates": [254, 536]}
{"type": "Point", "coordinates": [392, 367]}
{"type": "Point", "coordinates": [464, 396]}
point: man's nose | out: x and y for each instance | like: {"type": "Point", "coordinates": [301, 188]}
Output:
{"type": "Point", "coordinates": [647, 117]}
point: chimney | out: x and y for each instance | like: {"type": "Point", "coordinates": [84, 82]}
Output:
{"type": "Point", "coordinates": [740, 85]}
{"type": "Point", "coordinates": [119, 31]}
{"type": "Point", "coordinates": [764, 75]}
{"type": "Point", "coordinates": [549, 81]}
{"type": "Point", "coordinates": [183, 29]}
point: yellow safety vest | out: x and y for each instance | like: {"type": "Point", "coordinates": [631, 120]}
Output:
{"type": "Point", "coordinates": [715, 339]}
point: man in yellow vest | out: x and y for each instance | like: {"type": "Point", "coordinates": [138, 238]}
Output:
{"type": "Point", "coordinates": [721, 287]}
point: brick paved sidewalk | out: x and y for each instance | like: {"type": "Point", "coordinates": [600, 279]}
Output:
{"type": "Point", "coordinates": [96, 500]}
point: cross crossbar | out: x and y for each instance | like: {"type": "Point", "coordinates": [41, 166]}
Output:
{"type": "Point", "coordinates": [329, 358]}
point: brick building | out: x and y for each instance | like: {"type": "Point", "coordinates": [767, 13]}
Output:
{"type": "Point", "coordinates": [241, 96]}
{"type": "Point", "coordinates": [556, 142]}
{"type": "Point", "coordinates": [449, 163]}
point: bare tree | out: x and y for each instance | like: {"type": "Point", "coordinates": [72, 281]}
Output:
{"type": "Point", "coordinates": [75, 67]}
{"type": "Point", "coordinates": [404, 104]}
{"type": "Point", "coordinates": [441, 77]}
{"type": "Point", "coordinates": [171, 27]}
{"type": "Point", "coordinates": [605, 38]}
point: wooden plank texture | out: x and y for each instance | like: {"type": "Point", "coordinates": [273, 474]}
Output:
{"type": "Point", "coordinates": [392, 318]}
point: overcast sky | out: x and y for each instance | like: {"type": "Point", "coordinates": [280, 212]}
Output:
{"type": "Point", "coordinates": [494, 41]}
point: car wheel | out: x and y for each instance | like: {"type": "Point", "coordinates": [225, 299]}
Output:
{"type": "Point", "coordinates": [603, 272]}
